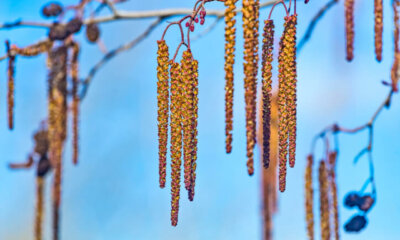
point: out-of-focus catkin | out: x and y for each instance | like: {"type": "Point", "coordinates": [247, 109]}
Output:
{"type": "Point", "coordinates": [195, 82]}
{"type": "Point", "coordinates": [309, 193]}
{"type": "Point", "coordinates": [11, 86]}
{"type": "Point", "coordinates": [176, 139]}
{"type": "Point", "coordinates": [75, 101]}
{"type": "Point", "coordinates": [333, 193]}
{"type": "Point", "coordinates": [396, 62]}
{"type": "Point", "coordinates": [324, 201]}
{"type": "Point", "coordinates": [349, 16]}
{"type": "Point", "coordinates": [378, 12]}
{"type": "Point", "coordinates": [39, 208]}
{"type": "Point", "coordinates": [267, 59]}
{"type": "Point", "coordinates": [230, 41]}
{"type": "Point", "coordinates": [163, 108]}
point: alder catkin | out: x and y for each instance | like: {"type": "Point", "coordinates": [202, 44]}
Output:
{"type": "Point", "coordinates": [34, 49]}
{"type": "Point", "coordinates": [75, 101]}
{"type": "Point", "coordinates": [283, 65]}
{"type": "Point", "coordinates": [230, 41]}
{"type": "Point", "coordinates": [333, 193]}
{"type": "Point", "coordinates": [176, 139]}
{"type": "Point", "coordinates": [378, 12]}
{"type": "Point", "coordinates": [396, 62]}
{"type": "Point", "coordinates": [349, 16]}
{"type": "Point", "coordinates": [324, 201]}
{"type": "Point", "coordinates": [256, 27]}
{"type": "Point", "coordinates": [309, 192]}
{"type": "Point", "coordinates": [292, 90]}
{"type": "Point", "coordinates": [39, 208]}
{"type": "Point", "coordinates": [195, 82]}
{"type": "Point", "coordinates": [163, 108]}
{"type": "Point", "coordinates": [11, 87]}
{"type": "Point", "coordinates": [267, 59]}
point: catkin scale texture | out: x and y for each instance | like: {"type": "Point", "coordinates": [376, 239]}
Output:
{"type": "Point", "coordinates": [333, 193]}
{"type": "Point", "coordinates": [309, 193]}
{"type": "Point", "coordinates": [349, 16]}
{"type": "Point", "coordinates": [378, 12]}
{"type": "Point", "coordinates": [324, 201]}
{"type": "Point", "coordinates": [195, 82]}
{"type": "Point", "coordinates": [75, 102]}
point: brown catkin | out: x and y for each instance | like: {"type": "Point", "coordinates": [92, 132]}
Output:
{"type": "Point", "coordinates": [396, 62]}
{"type": "Point", "coordinates": [195, 82]}
{"type": "Point", "coordinates": [187, 113]}
{"type": "Point", "coordinates": [34, 49]}
{"type": "Point", "coordinates": [256, 27]}
{"type": "Point", "coordinates": [249, 23]}
{"type": "Point", "coordinates": [57, 124]}
{"type": "Point", "coordinates": [39, 208]}
{"type": "Point", "coordinates": [292, 90]}
{"type": "Point", "coordinates": [11, 87]}
{"type": "Point", "coordinates": [333, 193]}
{"type": "Point", "coordinates": [75, 101]}
{"type": "Point", "coordinates": [267, 59]}
{"type": "Point", "coordinates": [230, 41]}
{"type": "Point", "coordinates": [309, 192]}
{"type": "Point", "coordinates": [176, 139]}
{"type": "Point", "coordinates": [324, 201]}
{"type": "Point", "coordinates": [349, 16]}
{"type": "Point", "coordinates": [163, 108]}
{"type": "Point", "coordinates": [378, 12]}
{"type": "Point", "coordinates": [283, 114]}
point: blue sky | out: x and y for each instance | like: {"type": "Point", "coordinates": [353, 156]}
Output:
{"type": "Point", "coordinates": [114, 194]}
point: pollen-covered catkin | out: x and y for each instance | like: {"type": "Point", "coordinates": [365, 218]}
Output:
{"type": "Point", "coordinates": [378, 12]}
{"type": "Point", "coordinates": [176, 139]}
{"type": "Point", "coordinates": [195, 82]}
{"type": "Point", "coordinates": [333, 193]}
{"type": "Point", "coordinates": [11, 87]}
{"type": "Point", "coordinates": [267, 59]}
{"type": "Point", "coordinates": [284, 61]}
{"type": "Point", "coordinates": [396, 62]}
{"type": "Point", "coordinates": [39, 208]}
{"type": "Point", "coordinates": [292, 90]}
{"type": "Point", "coordinates": [34, 49]}
{"type": "Point", "coordinates": [75, 101]}
{"type": "Point", "coordinates": [230, 41]}
{"type": "Point", "coordinates": [163, 108]}
{"type": "Point", "coordinates": [324, 201]}
{"type": "Point", "coordinates": [309, 192]}
{"type": "Point", "coordinates": [256, 27]}
{"type": "Point", "coordinates": [349, 16]}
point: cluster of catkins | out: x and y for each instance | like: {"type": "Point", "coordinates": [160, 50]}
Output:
{"type": "Point", "coordinates": [329, 215]}
{"type": "Point", "coordinates": [177, 90]}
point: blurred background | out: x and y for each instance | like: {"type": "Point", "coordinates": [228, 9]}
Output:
{"type": "Point", "coordinates": [113, 193]}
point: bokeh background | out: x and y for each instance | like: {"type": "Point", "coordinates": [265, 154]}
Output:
{"type": "Point", "coordinates": [114, 193]}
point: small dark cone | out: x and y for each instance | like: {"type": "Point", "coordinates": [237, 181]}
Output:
{"type": "Point", "coordinates": [74, 25]}
{"type": "Point", "coordinates": [352, 199]}
{"type": "Point", "coordinates": [356, 224]}
{"type": "Point", "coordinates": [365, 203]}
{"type": "Point", "coordinates": [52, 9]}
{"type": "Point", "coordinates": [92, 32]}
{"type": "Point", "coordinates": [58, 32]}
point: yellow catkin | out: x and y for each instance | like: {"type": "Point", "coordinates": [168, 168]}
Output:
{"type": "Point", "coordinates": [292, 89]}
{"type": "Point", "coordinates": [230, 41]}
{"type": "Point", "coordinates": [283, 113]}
{"type": "Point", "coordinates": [176, 139]}
{"type": "Point", "coordinates": [349, 16]}
{"type": "Point", "coordinates": [378, 12]}
{"type": "Point", "coordinates": [333, 193]}
{"type": "Point", "coordinates": [57, 124]}
{"type": "Point", "coordinates": [75, 101]}
{"type": "Point", "coordinates": [34, 49]}
{"type": "Point", "coordinates": [396, 62]}
{"type": "Point", "coordinates": [163, 108]}
{"type": "Point", "coordinates": [11, 86]}
{"type": "Point", "coordinates": [39, 208]}
{"type": "Point", "coordinates": [267, 59]}
{"type": "Point", "coordinates": [256, 27]}
{"type": "Point", "coordinates": [195, 83]}
{"type": "Point", "coordinates": [324, 201]}
{"type": "Point", "coordinates": [269, 176]}
{"type": "Point", "coordinates": [309, 195]}
{"type": "Point", "coordinates": [249, 23]}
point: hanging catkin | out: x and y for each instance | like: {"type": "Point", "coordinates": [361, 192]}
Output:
{"type": "Point", "coordinates": [396, 62]}
{"type": "Point", "coordinates": [267, 59]}
{"type": "Point", "coordinates": [309, 192]}
{"type": "Point", "coordinates": [163, 107]}
{"type": "Point", "coordinates": [187, 114]}
{"type": "Point", "coordinates": [176, 139]}
{"type": "Point", "coordinates": [34, 49]}
{"type": "Point", "coordinates": [284, 62]}
{"type": "Point", "coordinates": [249, 24]}
{"type": "Point", "coordinates": [349, 15]}
{"type": "Point", "coordinates": [378, 12]}
{"type": "Point", "coordinates": [57, 124]}
{"type": "Point", "coordinates": [333, 193]}
{"type": "Point", "coordinates": [292, 90]}
{"type": "Point", "coordinates": [324, 201]}
{"type": "Point", "coordinates": [10, 83]}
{"type": "Point", "coordinates": [39, 208]}
{"type": "Point", "coordinates": [256, 27]}
{"type": "Point", "coordinates": [75, 101]}
{"type": "Point", "coordinates": [230, 40]}
{"type": "Point", "coordinates": [195, 82]}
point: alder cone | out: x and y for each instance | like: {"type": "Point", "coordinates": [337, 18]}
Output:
{"type": "Point", "coordinates": [52, 9]}
{"type": "Point", "coordinates": [43, 167]}
{"type": "Point", "coordinates": [92, 32]}
{"type": "Point", "coordinates": [74, 25]}
{"type": "Point", "coordinates": [58, 32]}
